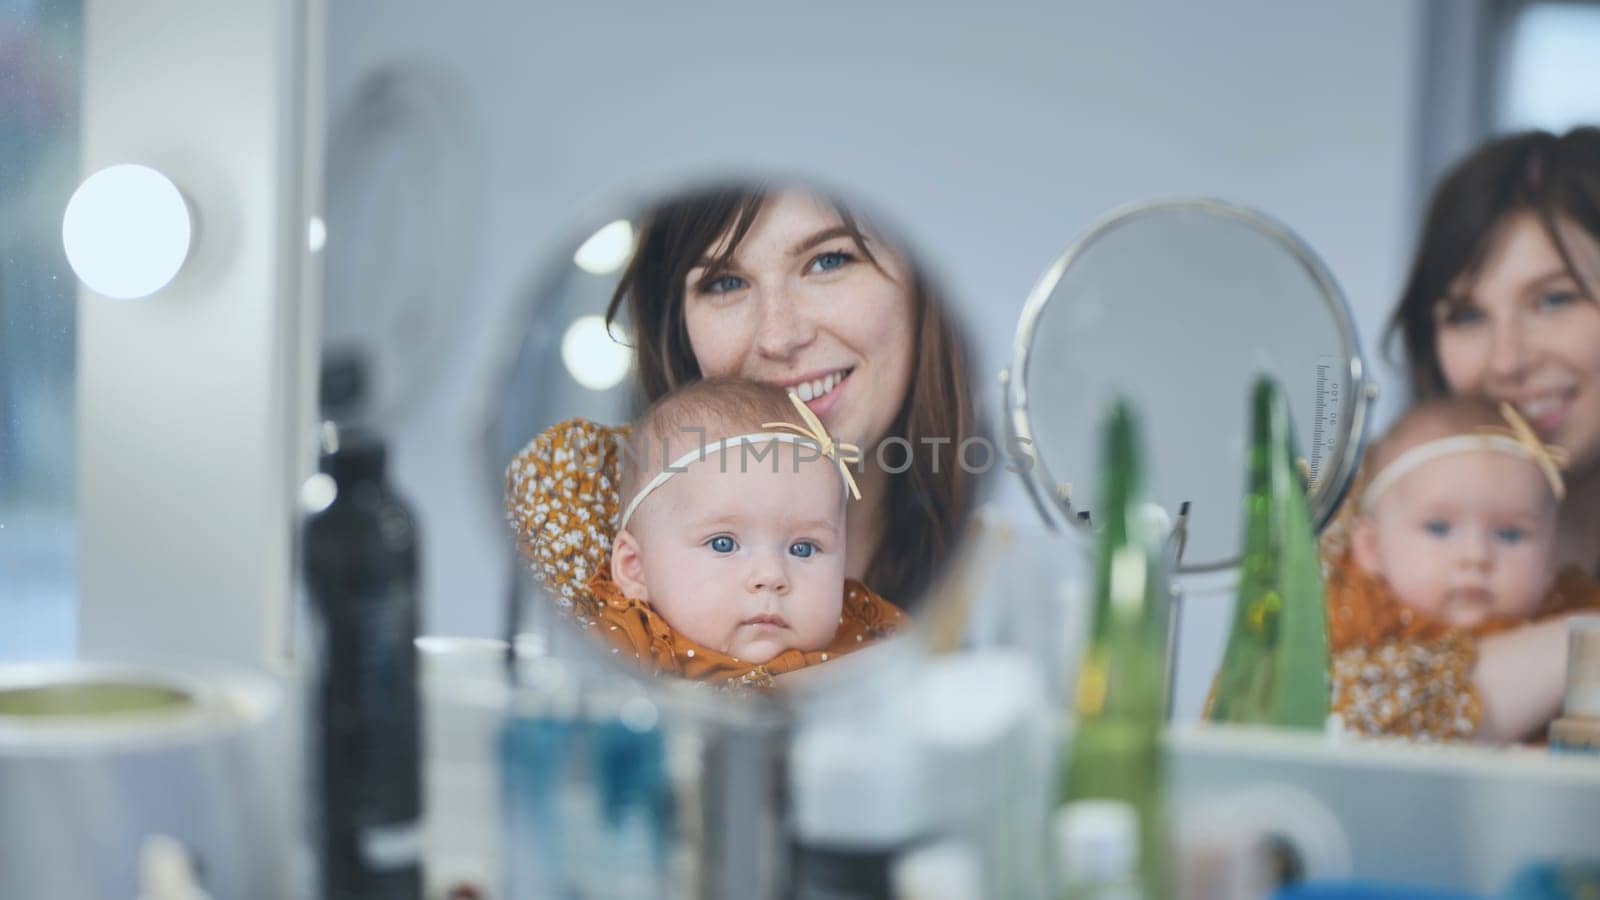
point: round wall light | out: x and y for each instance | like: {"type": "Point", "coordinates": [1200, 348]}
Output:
{"type": "Point", "coordinates": [126, 231]}
{"type": "Point", "coordinates": [607, 250]}
{"type": "Point", "coordinates": [593, 358]}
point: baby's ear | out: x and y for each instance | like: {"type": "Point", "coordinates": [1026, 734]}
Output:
{"type": "Point", "coordinates": [627, 567]}
{"type": "Point", "coordinates": [1364, 545]}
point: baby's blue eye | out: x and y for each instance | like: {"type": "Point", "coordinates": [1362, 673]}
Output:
{"type": "Point", "coordinates": [803, 549]}
{"type": "Point", "coordinates": [723, 544]}
{"type": "Point", "coordinates": [1438, 528]}
{"type": "Point", "coordinates": [1510, 535]}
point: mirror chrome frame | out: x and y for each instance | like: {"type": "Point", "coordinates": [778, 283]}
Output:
{"type": "Point", "coordinates": [1353, 406]}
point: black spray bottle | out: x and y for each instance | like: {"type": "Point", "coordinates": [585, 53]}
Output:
{"type": "Point", "coordinates": [361, 578]}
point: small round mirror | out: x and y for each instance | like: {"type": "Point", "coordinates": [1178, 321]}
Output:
{"type": "Point", "coordinates": [779, 282]}
{"type": "Point", "coordinates": [1177, 306]}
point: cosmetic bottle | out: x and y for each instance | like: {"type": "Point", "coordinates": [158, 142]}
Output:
{"type": "Point", "coordinates": [361, 580]}
{"type": "Point", "coordinates": [975, 716]}
{"type": "Point", "coordinates": [1097, 849]}
{"type": "Point", "coordinates": [944, 870]}
{"type": "Point", "coordinates": [859, 804]}
{"type": "Point", "coordinates": [588, 805]}
{"type": "Point", "coordinates": [1578, 729]}
{"type": "Point", "coordinates": [1275, 669]}
{"type": "Point", "coordinates": [1115, 749]}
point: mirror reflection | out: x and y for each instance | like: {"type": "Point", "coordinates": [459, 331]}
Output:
{"type": "Point", "coordinates": [744, 444]}
{"type": "Point", "coordinates": [786, 485]}
{"type": "Point", "coordinates": [1473, 536]}
{"type": "Point", "coordinates": [1176, 307]}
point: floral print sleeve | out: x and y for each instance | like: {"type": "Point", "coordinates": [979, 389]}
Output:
{"type": "Point", "coordinates": [1420, 689]}
{"type": "Point", "coordinates": [562, 505]}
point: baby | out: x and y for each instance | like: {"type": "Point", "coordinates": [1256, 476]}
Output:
{"type": "Point", "coordinates": [729, 560]}
{"type": "Point", "coordinates": [1450, 542]}
{"type": "Point", "coordinates": [1459, 518]}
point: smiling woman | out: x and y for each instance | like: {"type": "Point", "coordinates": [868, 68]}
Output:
{"type": "Point", "coordinates": [1501, 302]}
{"type": "Point", "coordinates": [786, 288]}
{"type": "Point", "coordinates": [783, 286]}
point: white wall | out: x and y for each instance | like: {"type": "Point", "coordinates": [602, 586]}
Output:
{"type": "Point", "coordinates": [190, 445]}
{"type": "Point", "coordinates": [992, 134]}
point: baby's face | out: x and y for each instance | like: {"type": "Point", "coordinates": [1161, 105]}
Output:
{"type": "Point", "coordinates": [1464, 537]}
{"type": "Point", "coordinates": [750, 563]}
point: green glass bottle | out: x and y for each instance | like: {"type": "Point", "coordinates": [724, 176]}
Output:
{"type": "Point", "coordinates": [1115, 752]}
{"type": "Point", "coordinates": [1275, 670]}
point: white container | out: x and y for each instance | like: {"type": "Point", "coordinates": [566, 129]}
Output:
{"type": "Point", "coordinates": [464, 696]}
{"type": "Point", "coordinates": [100, 761]}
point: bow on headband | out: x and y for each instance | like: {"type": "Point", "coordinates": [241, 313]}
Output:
{"type": "Point", "coordinates": [840, 452]}
{"type": "Point", "coordinates": [1548, 457]}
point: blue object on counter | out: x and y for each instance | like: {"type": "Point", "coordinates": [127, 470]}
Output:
{"type": "Point", "coordinates": [587, 808]}
{"type": "Point", "coordinates": [1541, 881]}
{"type": "Point", "coordinates": [1366, 890]}
{"type": "Point", "coordinates": [1556, 881]}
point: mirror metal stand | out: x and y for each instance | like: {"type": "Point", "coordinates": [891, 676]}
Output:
{"type": "Point", "coordinates": [1177, 539]}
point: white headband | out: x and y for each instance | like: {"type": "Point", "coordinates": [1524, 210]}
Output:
{"type": "Point", "coordinates": [1518, 440]}
{"type": "Point", "coordinates": [813, 434]}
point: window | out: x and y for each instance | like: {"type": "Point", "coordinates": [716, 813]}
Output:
{"type": "Point", "coordinates": [1551, 67]}
{"type": "Point", "coordinates": [41, 51]}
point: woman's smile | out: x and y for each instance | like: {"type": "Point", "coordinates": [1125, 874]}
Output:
{"type": "Point", "coordinates": [1546, 411]}
{"type": "Point", "coordinates": [820, 392]}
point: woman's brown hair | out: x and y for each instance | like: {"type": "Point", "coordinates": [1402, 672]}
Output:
{"type": "Point", "coordinates": [1536, 172]}
{"type": "Point", "coordinates": [926, 506]}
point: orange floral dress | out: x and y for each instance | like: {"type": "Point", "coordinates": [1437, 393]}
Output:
{"type": "Point", "coordinates": [1397, 673]}
{"type": "Point", "coordinates": [563, 506]}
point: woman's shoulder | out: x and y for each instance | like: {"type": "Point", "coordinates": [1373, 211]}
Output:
{"type": "Point", "coordinates": [561, 503]}
{"type": "Point", "coordinates": [573, 441]}
{"type": "Point", "coordinates": [572, 461]}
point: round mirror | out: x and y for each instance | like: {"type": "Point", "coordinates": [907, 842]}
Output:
{"type": "Point", "coordinates": [1177, 306]}
{"type": "Point", "coordinates": [779, 283]}
{"type": "Point", "coordinates": [403, 202]}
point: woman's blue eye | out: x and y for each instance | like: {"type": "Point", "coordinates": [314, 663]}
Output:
{"type": "Point", "coordinates": [724, 284]}
{"type": "Point", "coordinates": [723, 544]}
{"type": "Point", "coordinates": [1461, 316]}
{"type": "Point", "coordinates": [802, 549]}
{"type": "Point", "coordinates": [1438, 528]}
{"type": "Point", "coordinates": [1510, 535]}
{"type": "Point", "coordinates": [1557, 299]}
{"type": "Point", "coordinates": [831, 261]}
